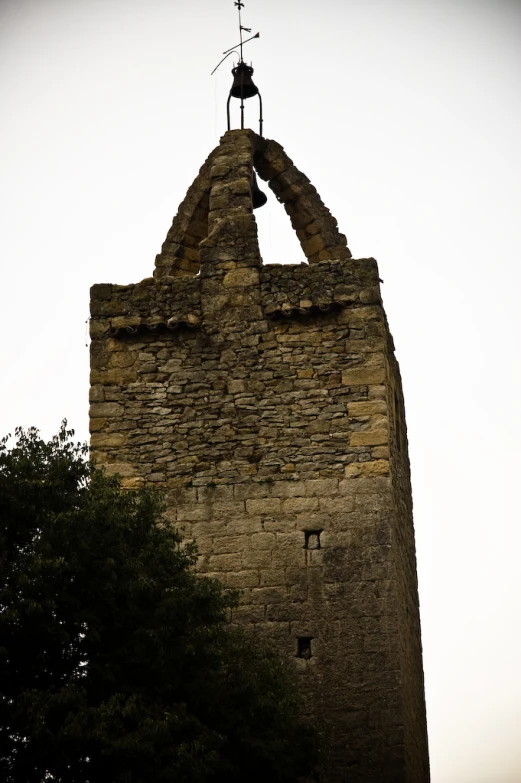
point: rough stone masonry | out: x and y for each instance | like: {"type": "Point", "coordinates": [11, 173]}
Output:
{"type": "Point", "coordinates": [266, 403]}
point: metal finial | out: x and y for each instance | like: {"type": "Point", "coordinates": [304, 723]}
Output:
{"type": "Point", "coordinates": [239, 46]}
{"type": "Point", "coordinates": [243, 86]}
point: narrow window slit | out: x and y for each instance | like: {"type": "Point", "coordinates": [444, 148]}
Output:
{"type": "Point", "coordinates": [312, 539]}
{"type": "Point", "coordinates": [304, 647]}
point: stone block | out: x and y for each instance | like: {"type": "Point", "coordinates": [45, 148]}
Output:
{"type": "Point", "coordinates": [369, 438]}
{"type": "Point", "coordinates": [203, 531]}
{"type": "Point", "coordinates": [122, 359]}
{"type": "Point", "coordinates": [336, 505]}
{"type": "Point", "coordinates": [248, 614]}
{"type": "Point", "coordinates": [376, 485]}
{"type": "Point", "coordinates": [272, 578]}
{"type": "Point", "coordinates": [377, 392]}
{"type": "Point", "coordinates": [107, 440]}
{"type": "Point", "coordinates": [372, 503]}
{"type": "Point", "coordinates": [95, 425]}
{"type": "Point", "coordinates": [125, 321]}
{"type": "Point", "coordinates": [244, 525]}
{"type": "Point", "coordinates": [110, 410]}
{"type": "Point", "coordinates": [115, 377]}
{"type": "Point", "coordinates": [97, 393]}
{"type": "Point", "coordinates": [239, 580]}
{"type": "Point", "coordinates": [289, 541]}
{"type": "Point", "coordinates": [197, 513]}
{"type": "Point", "coordinates": [268, 595]}
{"type": "Point", "coordinates": [220, 170]}
{"type": "Point", "coordinates": [228, 562]}
{"type": "Point", "coordinates": [241, 277]}
{"type": "Point", "coordinates": [227, 510]}
{"type": "Point", "coordinates": [363, 376]}
{"type": "Point", "coordinates": [366, 345]}
{"type": "Point", "coordinates": [289, 489]}
{"type": "Point", "coordinates": [299, 505]}
{"type": "Point", "coordinates": [261, 559]}
{"type": "Point", "coordinates": [282, 524]}
{"type": "Point", "coordinates": [136, 482]}
{"type": "Point", "coordinates": [288, 557]}
{"type": "Point", "coordinates": [229, 544]}
{"type": "Point", "coordinates": [218, 493]}
{"type": "Point", "coordinates": [312, 245]}
{"type": "Point", "coordinates": [262, 540]}
{"type": "Point", "coordinates": [376, 571]}
{"type": "Point", "coordinates": [321, 487]}
{"type": "Point", "coordinates": [98, 328]}
{"type": "Point", "coordinates": [261, 506]}
{"type": "Point", "coordinates": [236, 386]}
{"type": "Point", "coordinates": [378, 467]}
{"type": "Point", "coordinates": [119, 468]}
{"type": "Point", "coordinates": [366, 408]}
{"type": "Point", "coordinates": [179, 495]}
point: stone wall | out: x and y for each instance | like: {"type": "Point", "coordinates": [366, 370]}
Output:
{"type": "Point", "coordinates": [265, 402]}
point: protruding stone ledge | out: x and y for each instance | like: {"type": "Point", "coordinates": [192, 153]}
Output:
{"type": "Point", "coordinates": [290, 289]}
{"type": "Point", "coordinates": [129, 326]}
{"type": "Point", "coordinates": [158, 305]}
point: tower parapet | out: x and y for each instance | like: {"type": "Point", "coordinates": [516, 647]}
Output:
{"type": "Point", "coordinates": [266, 403]}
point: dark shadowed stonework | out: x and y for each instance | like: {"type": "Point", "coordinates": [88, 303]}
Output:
{"type": "Point", "coordinates": [266, 402]}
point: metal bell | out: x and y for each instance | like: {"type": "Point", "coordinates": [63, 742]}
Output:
{"type": "Point", "coordinates": [258, 198]}
{"type": "Point", "coordinates": [243, 86]}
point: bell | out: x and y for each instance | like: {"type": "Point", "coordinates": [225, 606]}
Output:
{"type": "Point", "coordinates": [243, 86]}
{"type": "Point", "coordinates": [258, 198]}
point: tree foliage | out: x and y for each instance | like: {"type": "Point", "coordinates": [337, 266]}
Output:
{"type": "Point", "coordinates": [116, 660]}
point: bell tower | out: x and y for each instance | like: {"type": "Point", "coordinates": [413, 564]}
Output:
{"type": "Point", "coordinates": [265, 402]}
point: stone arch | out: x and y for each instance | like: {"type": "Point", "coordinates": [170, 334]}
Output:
{"type": "Point", "coordinates": [179, 256]}
{"type": "Point", "coordinates": [210, 195]}
{"type": "Point", "coordinates": [314, 224]}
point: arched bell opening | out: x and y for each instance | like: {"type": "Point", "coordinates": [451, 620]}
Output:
{"type": "Point", "coordinates": [180, 255]}
{"type": "Point", "coordinates": [196, 231]}
{"type": "Point", "coordinates": [278, 242]}
{"type": "Point", "coordinates": [314, 225]}
{"type": "Point", "coordinates": [315, 228]}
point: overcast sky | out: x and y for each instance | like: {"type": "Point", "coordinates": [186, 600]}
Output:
{"type": "Point", "coordinates": [406, 117]}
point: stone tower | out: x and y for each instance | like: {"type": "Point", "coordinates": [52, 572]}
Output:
{"type": "Point", "coordinates": [266, 403]}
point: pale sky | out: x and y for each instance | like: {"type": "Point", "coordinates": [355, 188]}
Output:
{"type": "Point", "coordinates": [406, 117]}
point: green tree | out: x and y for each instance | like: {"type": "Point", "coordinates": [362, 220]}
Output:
{"type": "Point", "coordinates": [116, 660]}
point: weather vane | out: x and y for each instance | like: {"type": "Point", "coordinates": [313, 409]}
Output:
{"type": "Point", "coordinates": [243, 86]}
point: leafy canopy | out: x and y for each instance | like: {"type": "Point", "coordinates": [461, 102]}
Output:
{"type": "Point", "coordinates": [116, 661]}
